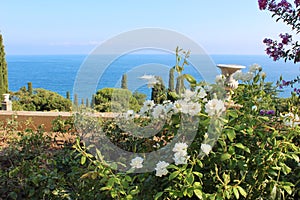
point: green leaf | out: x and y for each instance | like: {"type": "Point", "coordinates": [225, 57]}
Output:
{"type": "Point", "coordinates": [158, 195]}
{"type": "Point", "coordinates": [236, 193]}
{"type": "Point", "coordinates": [241, 146]}
{"type": "Point", "coordinates": [83, 159]}
{"type": "Point", "coordinates": [200, 175]}
{"type": "Point", "coordinates": [242, 191]}
{"type": "Point", "coordinates": [190, 178]}
{"type": "Point", "coordinates": [174, 175]}
{"type": "Point", "coordinates": [198, 193]}
{"type": "Point", "coordinates": [288, 189]}
{"type": "Point", "coordinates": [232, 113]}
{"type": "Point", "coordinates": [256, 78]}
{"type": "Point", "coordinates": [285, 168]}
{"type": "Point", "coordinates": [230, 134]}
{"type": "Point", "coordinates": [190, 78]}
{"type": "Point", "coordinates": [225, 156]}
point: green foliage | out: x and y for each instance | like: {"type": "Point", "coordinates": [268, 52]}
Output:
{"type": "Point", "coordinates": [115, 100]}
{"type": "Point", "coordinates": [40, 100]}
{"type": "Point", "coordinates": [158, 93]}
{"type": "Point", "coordinates": [63, 125]}
{"type": "Point", "coordinates": [171, 79]}
{"type": "Point", "coordinates": [30, 91]}
{"type": "Point", "coordinates": [3, 70]}
{"type": "Point", "coordinates": [75, 102]}
{"type": "Point", "coordinates": [68, 95]}
{"type": "Point", "coordinates": [124, 82]}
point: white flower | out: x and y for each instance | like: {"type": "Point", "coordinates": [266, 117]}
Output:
{"type": "Point", "coordinates": [201, 93]}
{"type": "Point", "coordinates": [161, 168]}
{"type": "Point", "coordinates": [179, 147]}
{"type": "Point", "coordinates": [206, 148]}
{"type": "Point", "coordinates": [137, 162]}
{"type": "Point", "coordinates": [205, 135]}
{"type": "Point", "coordinates": [181, 158]}
{"type": "Point", "coordinates": [254, 108]}
{"type": "Point", "coordinates": [185, 107]}
{"type": "Point", "coordinates": [148, 105]}
{"type": "Point", "coordinates": [189, 95]}
{"type": "Point", "coordinates": [158, 111]}
{"type": "Point", "coordinates": [215, 107]}
{"type": "Point", "coordinates": [254, 68]}
{"type": "Point", "coordinates": [290, 119]}
{"type": "Point", "coordinates": [247, 77]}
{"type": "Point", "coordinates": [220, 79]}
{"type": "Point", "coordinates": [238, 75]}
{"type": "Point", "coordinates": [208, 88]}
{"type": "Point", "coordinates": [150, 79]}
{"type": "Point", "coordinates": [129, 114]}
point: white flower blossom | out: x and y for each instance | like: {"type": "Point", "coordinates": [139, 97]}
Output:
{"type": "Point", "coordinates": [254, 68]}
{"type": "Point", "coordinates": [206, 148]}
{"type": "Point", "coordinates": [129, 114]}
{"type": "Point", "coordinates": [290, 119]}
{"type": "Point", "coordinates": [238, 75]}
{"type": "Point", "coordinates": [208, 88]}
{"type": "Point", "coordinates": [254, 108]}
{"type": "Point", "coordinates": [158, 111]}
{"type": "Point", "coordinates": [150, 79]}
{"type": "Point", "coordinates": [220, 79]}
{"type": "Point", "coordinates": [161, 168]}
{"type": "Point", "coordinates": [201, 93]}
{"type": "Point", "coordinates": [181, 158]}
{"type": "Point", "coordinates": [147, 106]}
{"type": "Point", "coordinates": [137, 162]}
{"type": "Point", "coordinates": [248, 76]}
{"type": "Point", "coordinates": [185, 107]}
{"type": "Point", "coordinates": [189, 95]}
{"type": "Point", "coordinates": [180, 146]}
{"type": "Point", "coordinates": [214, 107]}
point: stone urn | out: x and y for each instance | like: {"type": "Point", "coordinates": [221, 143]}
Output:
{"type": "Point", "coordinates": [228, 71]}
{"type": "Point", "coordinates": [6, 97]}
{"type": "Point", "coordinates": [230, 83]}
{"type": "Point", "coordinates": [6, 103]}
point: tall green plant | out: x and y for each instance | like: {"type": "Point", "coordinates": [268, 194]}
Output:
{"type": "Point", "coordinates": [171, 79]}
{"type": "Point", "coordinates": [124, 82]}
{"type": "Point", "coordinates": [3, 69]}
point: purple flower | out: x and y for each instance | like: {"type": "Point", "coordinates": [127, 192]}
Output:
{"type": "Point", "coordinates": [297, 2]}
{"type": "Point", "coordinates": [262, 112]}
{"type": "Point", "coordinates": [286, 38]}
{"type": "Point", "coordinates": [262, 4]}
{"type": "Point", "coordinates": [270, 112]}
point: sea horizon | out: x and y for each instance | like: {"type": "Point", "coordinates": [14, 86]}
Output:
{"type": "Point", "coordinates": [58, 72]}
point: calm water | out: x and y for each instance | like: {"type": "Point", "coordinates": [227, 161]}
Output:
{"type": "Point", "coordinates": [58, 72]}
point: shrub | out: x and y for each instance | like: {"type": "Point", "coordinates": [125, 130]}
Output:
{"type": "Point", "coordinates": [40, 100]}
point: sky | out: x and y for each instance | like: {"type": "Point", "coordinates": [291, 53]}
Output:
{"type": "Point", "coordinates": [77, 27]}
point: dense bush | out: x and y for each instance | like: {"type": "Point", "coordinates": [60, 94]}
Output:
{"type": "Point", "coordinates": [39, 100]}
{"type": "Point", "coordinates": [115, 99]}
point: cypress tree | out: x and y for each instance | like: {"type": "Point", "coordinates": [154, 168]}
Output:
{"type": "Point", "coordinates": [29, 85]}
{"type": "Point", "coordinates": [124, 82]}
{"type": "Point", "coordinates": [180, 85]}
{"type": "Point", "coordinates": [87, 103]}
{"type": "Point", "coordinates": [3, 70]}
{"type": "Point", "coordinates": [76, 100]}
{"type": "Point", "coordinates": [68, 95]}
{"type": "Point", "coordinates": [171, 79]}
{"type": "Point", "coordinates": [158, 94]}
{"type": "Point", "coordinates": [93, 101]}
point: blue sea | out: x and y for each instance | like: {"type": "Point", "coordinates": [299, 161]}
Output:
{"type": "Point", "coordinates": [59, 73]}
